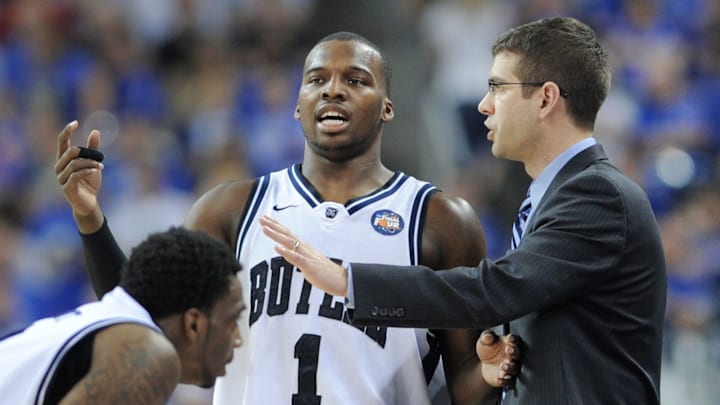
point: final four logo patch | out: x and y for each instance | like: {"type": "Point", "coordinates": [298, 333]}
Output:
{"type": "Point", "coordinates": [387, 222]}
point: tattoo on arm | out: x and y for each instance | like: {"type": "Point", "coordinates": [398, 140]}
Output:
{"type": "Point", "coordinates": [136, 374]}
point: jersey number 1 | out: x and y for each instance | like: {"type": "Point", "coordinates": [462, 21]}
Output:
{"type": "Point", "coordinates": [307, 351]}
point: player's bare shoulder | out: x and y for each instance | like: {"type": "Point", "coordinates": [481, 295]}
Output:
{"type": "Point", "coordinates": [219, 210]}
{"type": "Point", "coordinates": [229, 194]}
{"type": "Point", "coordinates": [451, 232]}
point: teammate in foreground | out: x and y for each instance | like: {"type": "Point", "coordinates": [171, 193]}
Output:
{"type": "Point", "coordinates": [172, 319]}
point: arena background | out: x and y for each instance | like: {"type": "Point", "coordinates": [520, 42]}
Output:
{"type": "Point", "coordinates": [189, 93]}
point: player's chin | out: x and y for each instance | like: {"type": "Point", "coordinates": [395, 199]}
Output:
{"type": "Point", "coordinates": [209, 383]}
{"type": "Point", "coordinates": [222, 371]}
{"type": "Point", "coordinates": [210, 379]}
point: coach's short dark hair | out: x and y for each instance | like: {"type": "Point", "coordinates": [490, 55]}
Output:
{"type": "Point", "coordinates": [179, 269]}
{"type": "Point", "coordinates": [565, 51]}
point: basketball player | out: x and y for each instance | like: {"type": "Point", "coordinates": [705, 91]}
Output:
{"type": "Point", "coordinates": [172, 319]}
{"type": "Point", "coordinates": [301, 347]}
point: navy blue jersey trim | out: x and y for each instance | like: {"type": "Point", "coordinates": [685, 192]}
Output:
{"type": "Point", "coordinates": [70, 342]}
{"type": "Point", "coordinates": [303, 186]}
{"type": "Point", "coordinates": [308, 192]}
{"type": "Point", "coordinates": [257, 193]}
{"type": "Point", "coordinates": [432, 358]}
{"type": "Point", "coordinates": [417, 218]}
{"type": "Point", "coordinates": [387, 189]}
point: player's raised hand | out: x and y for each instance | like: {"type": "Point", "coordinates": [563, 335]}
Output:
{"type": "Point", "coordinates": [318, 269]}
{"type": "Point", "coordinates": [500, 357]}
{"type": "Point", "coordinates": [79, 173]}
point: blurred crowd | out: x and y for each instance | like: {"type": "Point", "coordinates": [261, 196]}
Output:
{"type": "Point", "coordinates": [190, 93]}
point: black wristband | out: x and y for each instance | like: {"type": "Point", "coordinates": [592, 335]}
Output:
{"type": "Point", "coordinates": [103, 231]}
{"type": "Point", "coordinates": [104, 259]}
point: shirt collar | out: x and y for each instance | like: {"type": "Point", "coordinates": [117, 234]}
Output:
{"type": "Point", "coordinates": [540, 185]}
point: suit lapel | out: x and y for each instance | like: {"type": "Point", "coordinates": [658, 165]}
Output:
{"type": "Point", "coordinates": [574, 166]}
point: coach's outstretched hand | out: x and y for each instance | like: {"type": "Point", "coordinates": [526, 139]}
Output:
{"type": "Point", "coordinates": [318, 269]}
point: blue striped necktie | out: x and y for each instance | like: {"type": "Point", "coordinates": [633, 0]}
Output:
{"type": "Point", "coordinates": [517, 233]}
{"type": "Point", "coordinates": [519, 223]}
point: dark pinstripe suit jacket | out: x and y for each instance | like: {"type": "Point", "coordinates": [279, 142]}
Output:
{"type": "Point", "coordinates": [585, 290]}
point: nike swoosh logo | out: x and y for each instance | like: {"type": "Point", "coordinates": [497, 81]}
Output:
{"type": "Point", "coordinates": [280, 208]}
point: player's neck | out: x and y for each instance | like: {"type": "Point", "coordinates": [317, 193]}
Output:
{"type": "Point", "coordinates": [342, 181]}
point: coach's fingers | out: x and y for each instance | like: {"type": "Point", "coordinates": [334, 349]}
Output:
{"type": "Point", "coordinates": [488, 337]}
{"type": "Point", "coordinates": [277, 232]}
{"type": "Point", "coordinates": [316, 267]}
{"type": "Point", "coordinates": [513, 346]}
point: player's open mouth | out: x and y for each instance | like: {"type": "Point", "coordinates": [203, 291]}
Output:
{"type": "Point", "coordinates": [332, 121]}
{"type": "Point", "coordinates": [333, 118]}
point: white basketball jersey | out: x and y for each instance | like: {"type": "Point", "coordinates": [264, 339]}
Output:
{"type": "Point", "coordinates": [28, 359]}
{"type": "Point", "coordinates": [300, 347]}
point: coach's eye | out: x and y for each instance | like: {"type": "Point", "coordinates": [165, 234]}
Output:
{"type": "Point", "coordinates": [493, 86]}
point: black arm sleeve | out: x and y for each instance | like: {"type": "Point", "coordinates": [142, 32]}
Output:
{"type": "Point", "coordinates": [104, 259]}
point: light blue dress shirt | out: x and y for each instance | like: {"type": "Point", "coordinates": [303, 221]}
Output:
{"type": "Point", "coordinates": [537, 190]}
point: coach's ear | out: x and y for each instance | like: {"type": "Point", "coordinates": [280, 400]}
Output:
{"type": "Point", "coordinates": [297, 112]}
